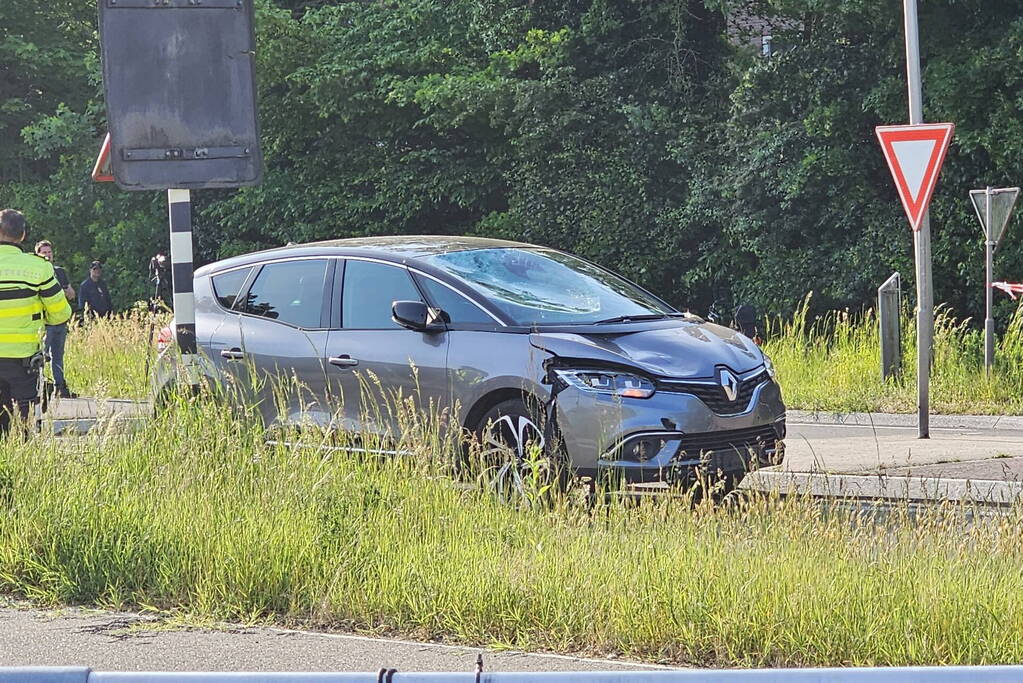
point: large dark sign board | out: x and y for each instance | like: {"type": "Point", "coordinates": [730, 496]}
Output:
{"type": "Point", "coordinates": [180, 87]}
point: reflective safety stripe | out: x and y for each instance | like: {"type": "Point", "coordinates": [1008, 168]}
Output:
{"type": "Point", "coordinates": [56, 307]}
{"type": "Point", "coordinates": [27, 309]}
{"type": "Point", "coordinates": [18, 338]}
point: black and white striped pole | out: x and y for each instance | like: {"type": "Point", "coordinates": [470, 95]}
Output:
{"type": "Point", "coordinates": [179, 207]}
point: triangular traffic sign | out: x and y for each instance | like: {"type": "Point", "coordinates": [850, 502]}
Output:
{"type": "Point", "coordinates": [101, 171]}
{"type": "Point", "coordinates": [915, 154]}
{"type": "Point", "coordinates": [1003, 200]}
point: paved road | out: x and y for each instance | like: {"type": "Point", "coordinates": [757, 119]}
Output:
{"type": "Point", "coordinates": [116, 641]}
{"type": "Point", "coordinates": [959, 447]}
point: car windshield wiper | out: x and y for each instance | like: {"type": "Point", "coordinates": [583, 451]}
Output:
{"type": "Point", "coordinates": [632, 318]}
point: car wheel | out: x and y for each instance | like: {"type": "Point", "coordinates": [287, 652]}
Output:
{"type": "Point", "coordinates": [172, 391]}
{"type": "Point", "coordinates": [164, 396]}
{"type": "Point", "coordinates": [511, 454]}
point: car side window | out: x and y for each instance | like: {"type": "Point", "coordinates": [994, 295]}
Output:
{"type": "Point", "coordinates": [458, 308]}
{"type": "Point", "coordinates": [289, 291]}
{"type": "Point", "coordinates": [227, 285]}
{"type": "Point", "coordinates": [369, 291]}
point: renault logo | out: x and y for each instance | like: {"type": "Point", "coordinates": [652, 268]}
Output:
{"type": "Point", "coordinates": [730, 383]}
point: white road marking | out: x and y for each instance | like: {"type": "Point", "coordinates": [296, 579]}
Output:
{"type": "Point", "coordinates": [859, 426]}
{"type": "Point", "coordinates": [469, 648]}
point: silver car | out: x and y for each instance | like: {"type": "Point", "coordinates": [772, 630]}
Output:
{"type": "Point", "coordinates": [517, 343]}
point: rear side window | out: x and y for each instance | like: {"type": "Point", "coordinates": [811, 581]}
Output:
{"type": "Point", "coordinates": [369, 292]}
{"type": "Point", "coordinates": [227, 285]}
{"type": "Point", "coordinates": [290, 292]}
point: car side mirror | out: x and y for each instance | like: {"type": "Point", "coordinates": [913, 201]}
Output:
{"type": "Point", "coordinates": [416, 315]}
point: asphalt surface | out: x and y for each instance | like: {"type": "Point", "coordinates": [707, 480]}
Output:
{"type": "Point", "coordinates": [959, 447]}
{"type": "Point", "coordinates": [118, 641]}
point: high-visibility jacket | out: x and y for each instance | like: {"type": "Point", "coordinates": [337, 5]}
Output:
{"type": "Point", "coordinates": [30, 299]}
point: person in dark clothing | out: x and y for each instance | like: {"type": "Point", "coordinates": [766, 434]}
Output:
{"type": "Point", "coordinates": [748, 322]}
{"type": "Point", "coordinates": [93, 295]}
{"type": "Point", "coordinates": [56, 335]}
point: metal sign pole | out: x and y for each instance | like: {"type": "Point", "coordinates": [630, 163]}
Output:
{"type": "Point", "coordinates": [922, 238]}
{"type": "Point", "coordinates": [179, 207]}
{"type": "Point", "coordinates": [989, 255]}
{"type": "Point", "coordinates": [994, 208]}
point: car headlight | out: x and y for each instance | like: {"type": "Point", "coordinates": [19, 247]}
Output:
{"type": "Point", "coordinates": [611, 382]}
{"type": "Point", "coordinates": [769, 366]}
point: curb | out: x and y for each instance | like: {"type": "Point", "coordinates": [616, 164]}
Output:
{"type": "Point", "coordinates": [884, 488]}
{"type": "Point", "coordinates": [1006, 422]}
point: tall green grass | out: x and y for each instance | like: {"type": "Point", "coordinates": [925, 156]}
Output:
{"type": "Point", "coordinates": [197, 514]}
{"type": "Point", "coordinates": [832, 363]}
{"type": "Point", "coordinates": [108, 357]}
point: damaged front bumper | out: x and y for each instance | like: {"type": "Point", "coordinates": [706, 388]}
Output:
{"type": "Point", "coordinates": [669, 437]}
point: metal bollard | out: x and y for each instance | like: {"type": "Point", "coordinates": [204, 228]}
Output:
{"type": "Point", "coordinates": [889, 311]}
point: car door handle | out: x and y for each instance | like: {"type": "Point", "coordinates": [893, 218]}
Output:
{"type": "Point", "coordinates": [232, 354]}
{"type": "Point", "coordinates": [342, 361]}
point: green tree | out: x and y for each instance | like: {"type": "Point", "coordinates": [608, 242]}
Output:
{"type": "Point", "coordinates": [814, 205]}
{"type": "Point", "coordinates": [648, 135]}
{"type": "Point", "coordinates": [573, 124]}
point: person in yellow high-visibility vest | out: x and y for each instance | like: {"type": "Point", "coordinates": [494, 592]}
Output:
{"type": "Point", "coordinates": [30, 299]}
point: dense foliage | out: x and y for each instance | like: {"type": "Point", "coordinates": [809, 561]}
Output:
{"type": "Point", "coordinates": [648, 135]}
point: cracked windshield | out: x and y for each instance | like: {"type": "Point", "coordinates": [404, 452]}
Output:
{"type": "Point", "coordinates": [538, 286]}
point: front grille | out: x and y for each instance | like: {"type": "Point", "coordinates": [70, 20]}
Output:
{"type": "Point", "coordinates": [741, 441]}
{"type": "Point", "coordinates": [713, 395]}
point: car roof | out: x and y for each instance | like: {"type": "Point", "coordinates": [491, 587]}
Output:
{"type": "Point", "coordinates": [397, 248]}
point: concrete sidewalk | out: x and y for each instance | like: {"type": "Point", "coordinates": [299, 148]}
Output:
{"type": "Point", "coordinates": [858, 443]}
{"type": "Point", "coordinates": [79, 415]}
{"type": "Point", "coordinates": [878, 456]}
{"type": "Point", "coordinates": [91, 408]}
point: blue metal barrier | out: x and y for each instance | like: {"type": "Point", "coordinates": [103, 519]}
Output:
{"type": "Point", "coordinates": [44, 674]}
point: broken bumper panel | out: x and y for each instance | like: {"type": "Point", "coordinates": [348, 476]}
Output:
{"type": "Point", "coordinates": [670, 437]}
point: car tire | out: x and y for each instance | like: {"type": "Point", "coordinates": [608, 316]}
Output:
{"type": "Point", "coordinates": [511, 454]}
{"type": "Point", "coordinates": [168, 392]}
{"type": "Point", "coordinates": [163, 396]}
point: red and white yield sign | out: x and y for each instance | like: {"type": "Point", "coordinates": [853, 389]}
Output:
{"type": "Point", "coordinates": [914, 155]}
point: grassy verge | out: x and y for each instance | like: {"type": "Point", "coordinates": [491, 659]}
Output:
{"type": "Point", "coordinates": [833, 364]}
{"type": "Point", "coordinates": [198, 514]}
{"type": "Point", "coordinates": [107, 358]}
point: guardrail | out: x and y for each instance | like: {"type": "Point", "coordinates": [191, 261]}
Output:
{"type": "Point", "coordinates": [965, 674]}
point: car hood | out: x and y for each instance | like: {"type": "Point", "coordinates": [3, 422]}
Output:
{"type": "Point", "coordinates": [686, 349]}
